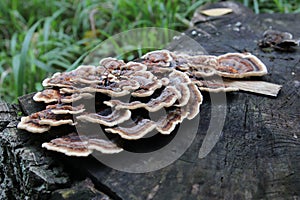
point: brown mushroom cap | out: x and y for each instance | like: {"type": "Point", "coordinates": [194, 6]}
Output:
{"type": "Point", "coordinates": [135, 132]}
{"type": "Point", "coordinates": [231, 65]}
{"type": "Point", "coordinates": [74, 145]}
{"type": "Point", "coordinates": [239, 65]}
{"type": "Point", "coordinates": [116, 117]}
{"type": "Point", "coordinates": [214, 86]}
{"type": "Point", "coordinates": [159, 58]}
{"type": "Point", "coordinates": [167, 123]}
{"type": "Point", "coordinates": [180, 80]}
{"type": "Point", "coordinates": [47, 96]}
{"type": "Point", "coordinates": [166, 99]}
{"type": "Point", "coordinates": [46, 117]}
{"type": "Point", "coordinates": [55, 95]}
{"type": "Point", "coordinates": [196, 66]}
{"type": "Point", "coordinates": [148, 83]}
{"type": "Point", "coordinates": [111, 63]}
{"type": "Point", "coordinates": [33, 127]}
{"type": "Point", "coordinates": [60, 109]}
{"type": "Point", "coordinates": [193, 105]}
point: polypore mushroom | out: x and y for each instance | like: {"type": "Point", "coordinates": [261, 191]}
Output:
{"type": "Point", "coordinates": [231, 65]}
{"type": "Point", "coordinates": [41, 121]}
{"type": "Point", "coordinates": [180, 81]}
{"type": "Point", "coordinates": [54, 95]}
{"type": "Point", "coordinates": [159, 81]}
{"type": "Point", "coordinates": [116, 117]}
{"type": "Point", "coordinates": [166, 99]}
{"type": "Point", "coordinates": [148, 84]}
{"type": "Point", "coordinates": [32, 127]}
{"type": "Point", "coordinates": [158, 58]}
{"type": "Point", "coordinates": [214, 86]}
{"type": "Point", "coordinates": [60, 109]}
{"type": "Point", "coordinates": [135, 132]}
{"type": "Point", "coordinates": [195, 100]}
{"type": "Point", "coordinates": [167, 123]}
{"type": "Point", "coordinates": [238, 65]}
{"type": "Point", "coordinates": [75, 145]}
{"type": "Point", "coordinates": [47, 96]}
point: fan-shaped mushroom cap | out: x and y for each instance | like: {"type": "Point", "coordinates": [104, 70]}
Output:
{"type": "Point", "coordinates": [46, 117]}
{"type": "Point", "coordinates": [75, 97]}
{"type": "Point", "coordinates": [148, 84]}
{"type": "Point", "coordinates": [74, 145]}
{"type": "Point", "coordinates": [196, 66]}
{"type": "Point", "coordinates": [238, 65]}
{"type": "Point", "coordinates": [135, 132]}
{"type": "Point", "coordinates": [167, 123]}
{"type": "Point", "coordinates": [166, 99]}
{"type": "Point", "coordinates": [116, 117]}
{"type": "Point", "coordinates": [54, 95]}
{"type": "Point", "coordinates": [232, 65]}
{"type": "Point", "coordinates": [214, 86]}
{"type": "Point", "coordinates": [180, 81]}
{"type": "Point", "coordinates": [193, 105]}
{"type": "Point", "coordinates": [133, 66]}
{"type": "Point", "coordinates": [33, 127]}
{"type": "Point", "coordinates": [111, 63]}
{"type": "Point", "coordinates": [47, 96]}
{"type": "Point", "coordinates": [59, 109]}
{"type": "Point", "coordinates": [67, 79]}
{"type": "Point", "coordinates": [42, 121]}
{"type": "Point", "coordinates": [158, 58]}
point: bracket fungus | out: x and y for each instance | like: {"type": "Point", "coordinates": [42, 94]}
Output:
{"type": "Point", "coordinates": [160, 81]}
{"type": "Point", "coordinates": [74, 145]}
{"type": "Point", "coordinates": [55, 96]}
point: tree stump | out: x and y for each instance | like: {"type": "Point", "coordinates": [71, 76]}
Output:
{"type": "Point", "coordinates": [256, 157]}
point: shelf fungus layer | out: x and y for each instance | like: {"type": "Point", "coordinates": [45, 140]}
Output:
{"type": "Point", "coordinates": [81, 146]}
{"type": "Point", "coordinates": [126, 95]}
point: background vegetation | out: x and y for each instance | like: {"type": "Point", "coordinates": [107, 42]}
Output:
{"type": "Point", "coordinates": [38, 37]}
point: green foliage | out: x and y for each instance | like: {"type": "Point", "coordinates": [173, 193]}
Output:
{"type": "Point", "coordinates": [39, 37]}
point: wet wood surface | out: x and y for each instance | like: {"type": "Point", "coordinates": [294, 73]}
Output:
{"type": "Point", "coordinates": [258, 153]}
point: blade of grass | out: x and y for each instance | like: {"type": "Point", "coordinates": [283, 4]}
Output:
{"type": "Point", "coordinates": [19, 79]}
{"type": "Point", "coordinates": [16, 72]}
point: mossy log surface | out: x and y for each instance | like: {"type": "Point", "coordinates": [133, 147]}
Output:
{"type": "Point", "coordinates": [257, 155]}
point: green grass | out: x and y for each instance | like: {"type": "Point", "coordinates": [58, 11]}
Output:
{"type": "Point", "coordinates": [39, 37]}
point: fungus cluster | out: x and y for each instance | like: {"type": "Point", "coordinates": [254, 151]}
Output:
{"type": "Point", "coordinates": [125, 95]}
